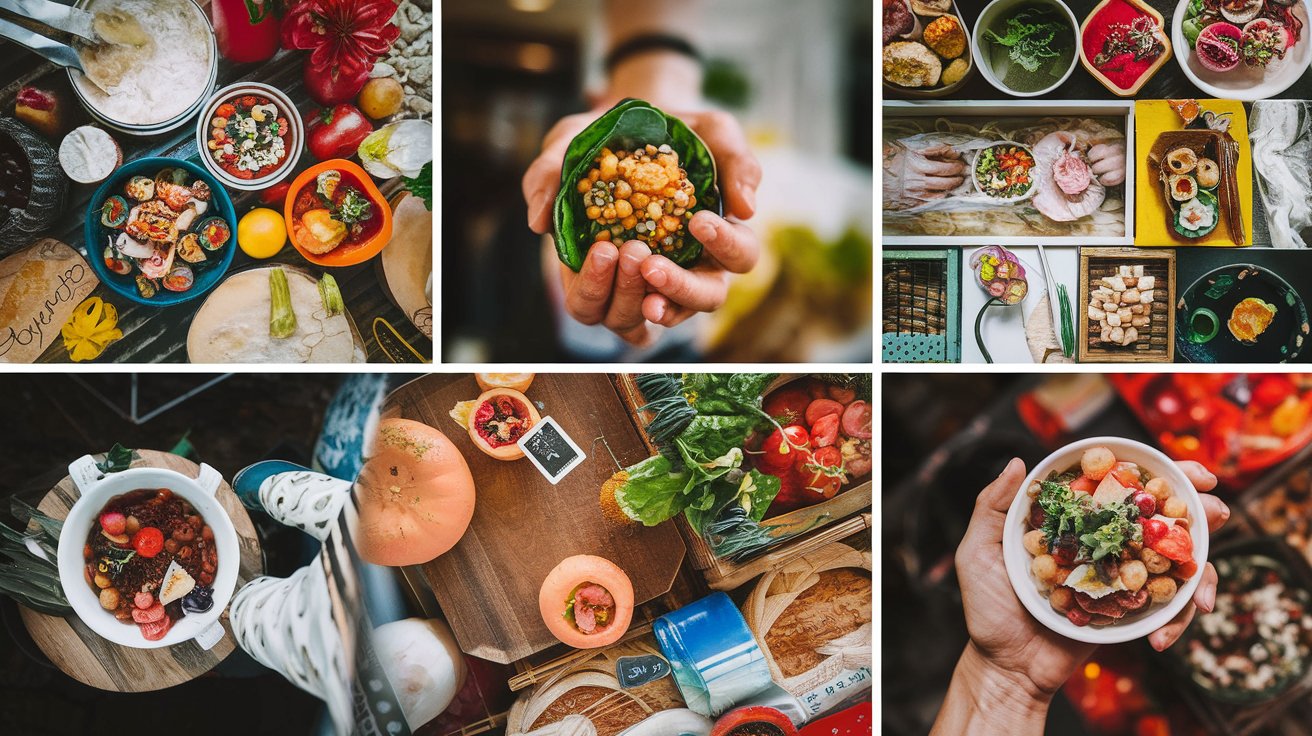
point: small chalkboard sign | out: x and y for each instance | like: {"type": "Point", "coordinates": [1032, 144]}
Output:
{"type": "Point", "coordinates": [638, 671]}
{"type": "Point", "coordinates": [553, 453]}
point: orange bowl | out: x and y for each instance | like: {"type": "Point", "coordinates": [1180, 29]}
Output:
{"type": "Point", "coordinates": [342, 255]}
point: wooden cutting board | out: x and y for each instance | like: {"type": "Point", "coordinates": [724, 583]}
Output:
{"type": "Point", "coordinates": [40, 287]}
{"type": "Point", "coordinates": [523, 526]}
{"type": "Point", "coordinates": [83, 655]}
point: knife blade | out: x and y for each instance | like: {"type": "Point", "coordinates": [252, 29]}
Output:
{"type": "Point", "coordinates": [55, 51]}
{"type": "Point", "coordinates": [60, 17]}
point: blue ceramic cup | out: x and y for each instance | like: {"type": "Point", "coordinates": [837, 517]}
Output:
{"type": "Point", "coordinates": [713, 655]}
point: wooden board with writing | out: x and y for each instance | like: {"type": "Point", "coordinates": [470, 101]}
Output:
{"type": "Point", "coordinates": [39, 289]}
{"type": "Point", "coordinates": [83, 655]}
{"type": "Point", "coordinates": [488, 584]}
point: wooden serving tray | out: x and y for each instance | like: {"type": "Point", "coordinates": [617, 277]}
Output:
{"type": "Point", "coordinates": [833, 520]}
{"type": "Point", "coordinates": [487, 585]}
{"type": "Point", "coordinates": [1157, 345]}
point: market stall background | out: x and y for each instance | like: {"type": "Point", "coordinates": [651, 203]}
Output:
{"type": "Point", "coordinates": [153, 334]}
{"type": "Point", "coordinates": [54, 418]}
{"type": "Point", "coordinates": [797, 78]}
{"type": "Point", "coordinates": [948, 436]}
{"type": "Point", "coordinates": [1004, 330]}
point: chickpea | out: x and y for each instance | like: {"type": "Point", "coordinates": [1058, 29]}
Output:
{"type": "Point", "coordinates": [207, 533]}
{"type": "Point", "coordinates": [1097, 462]}
{"type": "Point", "coordinates": [1154, 562]}
{"type": "Point", "coordinates": [103, 581]}
{"type": "Point", "coordinates": [1175, 508]}
{"type": "Point", "coordinates": [1158, 488]}
{"type": "Point", "coordinates": [1044, 567]}
{"type": "Point", "coordinates": [594, 212]}
{"type": "Point", "coordinates": [583, 187]}
{"type": "Point", "coordinates": [622, 208]}
{"type": "Point", "coordinates": [594, 175]}
{"type": "Point", "coordinates": [640, 200]}
{"type": "Point", "coordinates": [602, 237]}
{"type": "Point", "coordinates": [671, 224]}
{"type": "Point", "coordinates": [1133, 575]}
{"type": "Point", "coordinates": [623, 190]}
{"type": "Point", "coordinates": [184, 553]}
{"type": "Point", "coordinates": [1035, 542]}
{"type": "Point", "coordinates": [109, 599]}
{"type": "Point", "coordinates": [1061, 598]}
{"type": "Point", "coordinates": [133, 525]}
{"type": "Point", "coordinates": [1161, 588]}
{"type": "Point", "coordinates": [195, 521]}
{"type": "Point", "coordinates": [629, 222]}
{"type": "Point", "coordinates": [609, 166]}
{"type": "Point", "coordinates": [170, 545]}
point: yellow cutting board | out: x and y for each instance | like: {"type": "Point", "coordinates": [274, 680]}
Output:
{"type": "Point", "coordinates": [1151, 119]}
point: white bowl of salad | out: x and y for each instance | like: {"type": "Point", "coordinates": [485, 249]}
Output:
{"type": "Point", "coordinates": [1106, 540]}
{"type": "Point", "coordinates": [1004, 172]}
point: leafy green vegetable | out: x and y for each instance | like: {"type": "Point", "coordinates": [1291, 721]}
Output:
{"type": "Point", "coordinates": [118, 459]}
{"type": "Point", "coordinates": [422, 185]}
{"type": "Point", "coordinates": [1101, 530]}
{"type": "Point", "coordinates": [30, 579]}
{"type": "Point", "coordinates": [653, 491]}
{"type": "Point", "coordinates": [629, 123]}
{"type": "Point", "coordinates": [1032, 36]}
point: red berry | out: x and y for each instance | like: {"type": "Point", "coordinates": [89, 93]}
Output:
{"type": "Point", "coordinates": [148, 542]}
{"type": "Point", "coordinates": [1146, 503]}
{"type": "Point", "coordinates": [113, 522]}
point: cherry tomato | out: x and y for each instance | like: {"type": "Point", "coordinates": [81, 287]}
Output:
{"type": "Point", "coordinates": [1176, 545]}
{"type": "Point", "coordinates": [788, 405]}
{"type": "Point", "coordinates": [1153, 530]}
{"type": "Point", "coordinates": [825, 431]}
{"type": "Point", "coordinates": [276, 194]}
{"type": "Point", "coordinates": [148, 541]}
{"type": "Point", "coordinates": [776, 454]}
{"type": "Point", "coordinates": [1271, 391]}
{"type": "Point", "coordinates": [821, 472]}
{"type": "Point", "coordinates": [821, 408]}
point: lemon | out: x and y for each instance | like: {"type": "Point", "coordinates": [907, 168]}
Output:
{"type": "Point", "coordinates": [261, 233]}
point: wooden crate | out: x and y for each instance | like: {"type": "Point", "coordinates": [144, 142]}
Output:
{"type": "Point", "coordinates": [836, 519]}
{"type": "Point", "coordinates": [1159, 345]}
{"type": "Point", "coordinates": [922, 306]}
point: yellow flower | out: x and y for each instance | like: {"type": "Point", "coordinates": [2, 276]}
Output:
{"type": "Point", "coordinates": [90, 329]}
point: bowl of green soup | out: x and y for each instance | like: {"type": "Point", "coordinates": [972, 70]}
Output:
{"type": "Point", "coordinates": [1026, 48]}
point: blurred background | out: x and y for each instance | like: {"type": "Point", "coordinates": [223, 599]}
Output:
{"type": "Point", "coordinates": [798, 76]}
{"type": "Point", "coordinates": [947, 436]}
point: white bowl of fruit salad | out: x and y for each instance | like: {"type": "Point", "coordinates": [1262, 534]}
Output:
{"type": "Point", "coordinates": [1105, 541]}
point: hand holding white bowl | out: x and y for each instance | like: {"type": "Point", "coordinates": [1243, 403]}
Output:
{"type": "Point", "coordinates": [1011, 657]}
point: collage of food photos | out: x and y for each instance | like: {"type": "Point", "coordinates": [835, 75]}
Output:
{"type": "Point", "coordinates": [610, 468]}
{"type": "Point", "coordinates": [1095, 182]}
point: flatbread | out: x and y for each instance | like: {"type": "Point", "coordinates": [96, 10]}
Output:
{"type": "Point", "coordinates": [407, 262]}
{"type": "Point", "coordinates": [233, 325]}
{"type": "Point", "coordinates": [39, 289]}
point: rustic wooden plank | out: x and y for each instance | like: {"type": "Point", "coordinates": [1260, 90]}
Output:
{"type": "Point", "coordinates": [523, 526]}
{"type": "Point", "coordinates": [86, 657]}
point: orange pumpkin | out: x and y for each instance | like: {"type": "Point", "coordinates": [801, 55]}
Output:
{"type": "Point", "coordinates": [415, 494]}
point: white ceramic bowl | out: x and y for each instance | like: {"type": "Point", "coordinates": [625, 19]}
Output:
{"type": "Point", "coordinates": [980, 45]}
{"type": "Point", "coordinates": [97, 489]}
{"type": "Point", "coordinates": [1133, 626]}
{"type": "Point", "coordinates": [1243, 83]}
{"type": "Point", "coordinates": [974, 179]}
{"type": "Point", "coordinates": [285, 109]}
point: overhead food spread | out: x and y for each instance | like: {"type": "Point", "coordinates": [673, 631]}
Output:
{"type": "Point", "coordinates": [179, 155]}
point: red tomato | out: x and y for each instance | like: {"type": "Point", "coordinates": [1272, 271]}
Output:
{"type": "Point", "coordinates": [1153, 530]}
{"type": "Point", "coordinates": [336, 132]}
{"type": "Point", "coordinates": [821, 472]}
{"type": "Point", "coordinates": [148, 542]}
{"type": "Point", "coordinates": [776, 454]}
{"type": "Point", "coordinates": [856, 420]}
{"type": "Point", "coordinates": [276, 194]}
{"type": "Point", "coordinates": [821, 408]}
{"type": "Point", "coordinates": [1084, 483]}
{"type": "Point", "coordinates": [113, 522]}
{"type": "Point", "coordinates": [1185, 570]}
{"type": "Point", "coordinates": [787, 405]}
{"type": "Point", "coordinates": [1271, 391]}
{"type": "Point", "coordinates": [1176, 545]}
{"type": "Point", "coordinates": [825, 431]}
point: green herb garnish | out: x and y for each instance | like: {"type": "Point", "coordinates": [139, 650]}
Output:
{"type": "Point", "coordinates": [1101, 530]}
{"type": "Point", "coordinates": [1032, 37]}
{"type": "Point", "coordinates": [422, 185]}
{"type": "Point", "coordinates": [118, 459]}
{"type": "Point", "coordinates": [353, 208]}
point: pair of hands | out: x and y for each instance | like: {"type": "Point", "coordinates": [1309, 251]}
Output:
{"type": "Point", "coordinates": [628, 288]}
{"type": "Point", "coordinates": [934, 171]}
{"type": "Point", "coordinates": [1004, 633]}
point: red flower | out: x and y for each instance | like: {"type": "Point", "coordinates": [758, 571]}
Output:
{"type": "Point", "coordinates": [346, 36]}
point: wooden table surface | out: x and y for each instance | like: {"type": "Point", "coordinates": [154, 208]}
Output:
{"type": "Point", "coordinates": [88, 658]}
{"type": "Point", "coordinates": [153, 334]}
{"type": "Point", "coordinates": [487, 585]}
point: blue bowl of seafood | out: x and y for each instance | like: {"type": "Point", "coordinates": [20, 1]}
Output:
{"type": "Point", "coordinates": [160, 231]}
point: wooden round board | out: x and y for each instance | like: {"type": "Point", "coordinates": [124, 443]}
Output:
{"type": "Point", "coordinates": [88, 658]}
